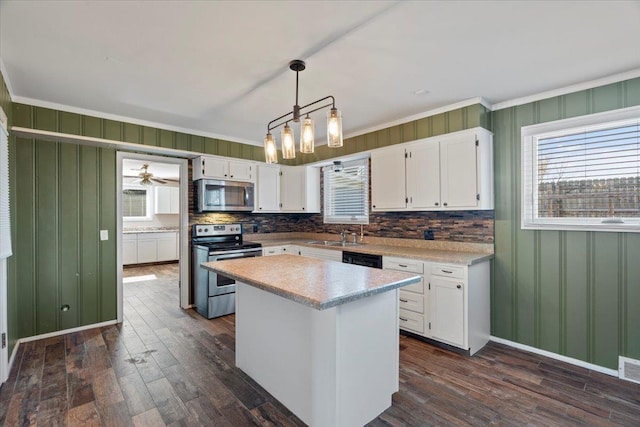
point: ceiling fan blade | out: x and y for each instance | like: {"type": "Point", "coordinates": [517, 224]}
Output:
{"type": "Point", "coordinates": [158, 180]}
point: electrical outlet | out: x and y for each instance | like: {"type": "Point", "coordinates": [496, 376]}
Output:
{"type": "Point", "coordinates": [104, 234]}
{"type": "Point", "coordinates": [255, 228]}
{"type": "Point", "coordinates": [428, 235]}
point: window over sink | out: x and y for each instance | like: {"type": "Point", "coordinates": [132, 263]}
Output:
{"type": "Point", "coordinates": [346, 192]}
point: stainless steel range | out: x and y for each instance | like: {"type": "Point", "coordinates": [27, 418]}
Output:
{"type": "Point", "coordinates": [214, 294]}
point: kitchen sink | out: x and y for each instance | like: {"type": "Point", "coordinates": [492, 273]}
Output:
{"type": "Point", "coordinates": [332, 243]}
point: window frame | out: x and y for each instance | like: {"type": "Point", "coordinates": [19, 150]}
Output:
{"type": "Point", "coordinates": [360, 219]}
{"type": "Point", "coordinates": [148, 199]}
{"type": "Point", "coordinates": [529, 165]}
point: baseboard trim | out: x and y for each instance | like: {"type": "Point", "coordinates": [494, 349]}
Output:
{"type": "Point", "coordinates": [571, 360]}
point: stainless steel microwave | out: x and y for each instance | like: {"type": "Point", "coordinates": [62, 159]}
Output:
{"type": "Point", "coordinates": [214, 195]}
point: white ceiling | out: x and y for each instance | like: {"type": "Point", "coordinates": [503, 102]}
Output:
{"type": "Point", "coordinates": [132, 167]}
{"type": "Point", "coordinates": [220, 68]}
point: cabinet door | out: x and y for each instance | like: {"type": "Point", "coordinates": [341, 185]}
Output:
{"type": "Point", "coordinates": [292, 188]}
{"type": "Point", "coordinates": [166, 248]}
{"type": "Point", "coordinates": [240, 170]}
{"type": "Point", "coordinates": [129, 251]}
{"type": "Point", "coordinates": [147, 250]}
{"type": "Point", "coordinates": [388, 179]}
{"type": "Point", "coordinates": [174, 196]}
{"type": "Point", "coordinates": [423, 175]}
{"type": "Point", "coordinates": [268, 188]}
{"type": "Point", "coordinates": [214, 167]}
{"type": "Point", "coordinates": [447, 310]}
{"type": "Point", "coordinates": [458, 162]}
{"type": "Point", "coordinates": [162, 202]}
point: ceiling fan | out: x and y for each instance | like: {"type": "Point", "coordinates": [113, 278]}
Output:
{"type": "Point", "coordinates": [145, 177]}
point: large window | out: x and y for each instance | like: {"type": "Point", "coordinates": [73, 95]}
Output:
{"type": "Point", "coordinates": [136, 204]}
{"type": "Point", "coordinates": [583, 173]}
{"type": "Point", "coordinates": [346, 193]}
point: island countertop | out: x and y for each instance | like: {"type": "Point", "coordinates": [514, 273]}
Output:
{"type": "Point", "coordinates": [317, 283]}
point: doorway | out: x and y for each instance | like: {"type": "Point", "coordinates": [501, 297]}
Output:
{"type": "Point", "coordinates": [152, 202]}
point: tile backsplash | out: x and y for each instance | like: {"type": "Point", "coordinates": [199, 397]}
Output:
{"type": "Point", "coordinates": [459, 226]}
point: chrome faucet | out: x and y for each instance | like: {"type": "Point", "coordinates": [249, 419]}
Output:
{"type": "Point", "coordinates": [343, 236]}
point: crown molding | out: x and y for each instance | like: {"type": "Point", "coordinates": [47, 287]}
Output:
{"type": "Point", "coordinates": [428, 113]}
{"type": "Point", "coordinates": [614, 78]}
{"type": "Point", "coordinates": [5, 75]}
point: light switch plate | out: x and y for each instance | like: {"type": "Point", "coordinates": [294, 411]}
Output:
{"type": "Point", "coordinates": [104, 234]}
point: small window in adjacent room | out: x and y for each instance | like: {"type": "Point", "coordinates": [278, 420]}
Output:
{"type": "Point", "coordinates": [136, 204]}
{"type": "Point", "coordinates": [583, 173]}
{"type": "Point", "coordinates": [346, 192]}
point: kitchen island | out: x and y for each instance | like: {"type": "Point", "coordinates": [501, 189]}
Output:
{"type": "Point", "coordinates": [320, 336]}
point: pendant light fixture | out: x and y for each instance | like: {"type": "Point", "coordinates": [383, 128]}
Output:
{"type": "Point", "coordinates": [307, 127]}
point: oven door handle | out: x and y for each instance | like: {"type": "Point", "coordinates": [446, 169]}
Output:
{"type": "Point", "coordinates": [230, 256]}
{"type": "Point", "coordinates": [235, 251]}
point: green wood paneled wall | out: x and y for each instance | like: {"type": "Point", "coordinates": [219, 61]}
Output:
{"type": "Point", "coordinates": [572, 293]}
{"type": "Point", "coordinates": [451, 121]}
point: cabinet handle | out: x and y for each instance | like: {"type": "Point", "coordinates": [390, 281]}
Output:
{"type": "Point", "coordinates": [225, 174]}
{"type": "Point", "coordinates": [231, 176]}
{"type": "Point", "coordinates": [447, 271]}
{"type": "Point", "coordinates": [374, 206]}
{"type": "Point", "coordinates": [437, 203]}
{"type": "Point", "coordinates": [403, 300]}
{"type": "Point", "coordinates": [403, 265]}
{"type": "Point", "coordinates": [445, 203]}
{"type": "Point", "coordinates": [404, 320]}
{"type": "Point", "coordinates": [459, 286]}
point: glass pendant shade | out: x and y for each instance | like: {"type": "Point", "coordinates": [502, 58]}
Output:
{"type": "Point", "coordinates": [288, 143]}
{"type": "Point", "coordinates": [307, 132]}
{"type": "Point", "coordinates": [270, 150]}
{"type": "Point", "coordinates": [334, 128]}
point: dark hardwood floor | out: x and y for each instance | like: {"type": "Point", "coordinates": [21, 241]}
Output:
{"type": "Point", "coordinates": [166, 366]}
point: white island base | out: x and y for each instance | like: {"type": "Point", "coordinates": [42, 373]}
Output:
{"type": "Point", "coordinates": [332, 367]}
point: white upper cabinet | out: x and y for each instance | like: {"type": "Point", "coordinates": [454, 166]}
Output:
{"type": "Point", "coordinates": [448, 172]}
{"type": "Point", "coordinates": [268, 188]}
{"type": "Point", "coordinates": [283, 188]}
{"type": "Point", "coordinates": [388, 179]}
{"type": "Point", "coordinates": [423, 175]}
{"type": "Point", "coordinates": [212, 167]}
{"type": "Point", "coordinates": [167, 200]}
{"type": "Point", "coordinates": [299, 189]}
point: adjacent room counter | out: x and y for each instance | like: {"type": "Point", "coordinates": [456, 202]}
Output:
{"type": "Point", "coordinates": [320, 336]}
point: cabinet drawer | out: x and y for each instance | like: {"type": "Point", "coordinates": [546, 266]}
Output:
{"type": "Point", "coordinates": [417, 288]}
{"type": "Point", "coordinates": [400, 264]}
{"type": "Point", "coordinates": [411, 301]}
{"type": "Point", "coordinates": [411, 321]}
{"type": "Point", "coordinates": [448, 271]}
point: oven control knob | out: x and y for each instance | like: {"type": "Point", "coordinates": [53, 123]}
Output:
{"type": "Point", "coordinates": [206, 229]}
{"type": "Point", "coordinates": [199, 230]}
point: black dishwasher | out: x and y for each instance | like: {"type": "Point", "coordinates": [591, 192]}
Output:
{"type": "Point", "coordinates": [368, 260]}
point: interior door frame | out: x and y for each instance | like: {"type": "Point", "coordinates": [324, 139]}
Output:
{"type": "Point", "coordinates": [183, 222]}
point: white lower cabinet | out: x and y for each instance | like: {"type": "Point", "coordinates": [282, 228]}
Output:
{"type": "Point", "coordinates": [272, 250]}
{"type": "Point", "coordinates": [450, 305]}
{"type": "Point", "coordinates": [447, 310]}
{"type": "Point", "coordinates": [140, 248]}
{"type": "Point", "coordinates": [414, 301]}
{"type": "Point", "coordinates": [129, 249]}
{"type": "Point", "coordinates": [330, 254]}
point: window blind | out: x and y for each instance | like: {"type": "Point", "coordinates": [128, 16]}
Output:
{"type": "Point", "coordinates": [346, 193]}
{"type": "Point", "coordinates": [593, 173]}
{"type": "Point", "coordinates": [5, 220]}
{"type": "Point", "coordinates": [134, 202]}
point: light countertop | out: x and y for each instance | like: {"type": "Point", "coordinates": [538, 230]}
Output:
{"type": "Point", "coordinates": [316, 283]}
{"type": "Point", "coordinates": [445, 252]}
{"type": "Point", "coordinates": [126, 230]}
